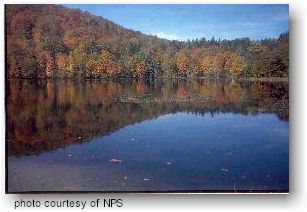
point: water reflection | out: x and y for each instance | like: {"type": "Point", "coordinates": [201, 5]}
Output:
{"type": "Point", "coordinates": [175, 152]}
{"type": "Point", "coordinates": [47, 115]}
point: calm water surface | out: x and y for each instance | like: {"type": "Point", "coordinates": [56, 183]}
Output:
{"type": "Point", "coordinates": [169, 135]}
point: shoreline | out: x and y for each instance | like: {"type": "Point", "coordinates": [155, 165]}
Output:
{"type": "Point", "coordinates": [249, 79]}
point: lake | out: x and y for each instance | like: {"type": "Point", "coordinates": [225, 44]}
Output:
{"type": "Point", "coordinates": [160, 136]}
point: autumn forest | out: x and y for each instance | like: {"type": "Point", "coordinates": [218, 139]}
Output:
{"type": "Point", "coordinates": [50, 41]}
{"type": "Point", "coordinates": [143, 98]}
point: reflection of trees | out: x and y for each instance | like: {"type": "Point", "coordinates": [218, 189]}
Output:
{"type": "Point", "coordinates": [46, 115]}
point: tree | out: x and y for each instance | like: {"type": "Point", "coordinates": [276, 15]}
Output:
{"type": "Point", "coordinates": [54, 41]}
{"type": "Point", "coordinates": [234, 64]}
{"type": "Point", "coordinates": [62, 62]}
{"type": "Point", "coordinates": [207, 66]}
{"type": "Point", "coordinates": [182, 63]}
{"type": "Point", "coordinates": [77, 64]}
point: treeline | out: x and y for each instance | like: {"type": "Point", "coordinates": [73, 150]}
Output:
{"type": "Point", "coordinates": [48, 41]}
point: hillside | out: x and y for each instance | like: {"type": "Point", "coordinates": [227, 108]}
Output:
{"type": "Point", "coordinates": [50, 41]}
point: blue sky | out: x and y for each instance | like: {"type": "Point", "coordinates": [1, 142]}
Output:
{"type": "Point", "coordinates": [182, 22]}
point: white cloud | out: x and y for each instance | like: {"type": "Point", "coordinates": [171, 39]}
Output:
{"type": "Point", "coordinates": [167, 36]}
